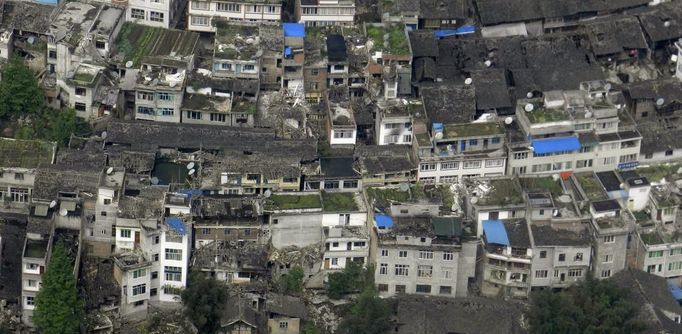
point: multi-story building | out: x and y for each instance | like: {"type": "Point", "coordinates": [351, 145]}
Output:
{"type": "Point", "coordinates": [161, 13]}
{"type": "Point", "coordinates": [611, 229]}
{"type": "Point", "coordinates": [317, 13]}
{"type": "Point", "coordinates": [18, 162]}
{"type": "Point", "coordinates": [560, 258]}
{"type": "Point", "coordinates": [493, 199]}
{"type": "Point", "coordinates": [423, 255]}
{"type": "Point", "coordinates": [579, 130]}
{"type": "Point", "coordinates": [344, 223]}
{"type": "Point", "coordinates": [201, 15]}
{"type": "Point", "coordinates": [294, 58]}
{"type": "Point", "coordinates": [89, 91]}
{"type": "Point", "coordinates": [227, 219]}
{"type": "Point", "coordinates": [394, 122]}
{"type": "Point", "coordinates": [33, 265]}
{"type": "Point", "coordinates": [341, 128]}
{"type": "Point", "coordinates": [507, 258]}
{"type": "Point", "coordinates": [101, 235]}
{"type": "Point", "coordinates": [237, 51]}
{"type": "Point", "coordinates": [132, 272]}
{"type": "Point", "coordinates": [295, 219]}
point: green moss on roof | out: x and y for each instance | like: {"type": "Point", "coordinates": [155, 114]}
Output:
{"type": "Point", "coordinates": [503, 192]}
{"type": "Point", "coordinates": [591, 187]}
{"type": "Point", "coordinates": [651, 238]}
{"type": "Point", "coordinates": [657, 172]}
{"type": "Point", "coordinates": [25, 153]}
{"type": "Point", "coordinates": [397, 40]}
{"type": "Point", "coordinates": [135, 42]}
{"type": "Point", "coordinates": [334, 202]}
{"type": "Point", "coordinates": [293, 202]}
{"type": "Point", "coordinates": [472, 130]}
{"type": "Point", "coordinates": [542, 183]}
{"type": "Point", "coordinates": [242, 106]}
{"type": "Point", "coordinates": [542, 115]}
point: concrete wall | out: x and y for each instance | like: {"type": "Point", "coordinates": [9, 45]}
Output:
{"type": "Point", "coordinates": [296, 230]}
{"type": "Point", "coordinates": [604, 246]}
{"type": "Point", "coordinates": [556, 270]}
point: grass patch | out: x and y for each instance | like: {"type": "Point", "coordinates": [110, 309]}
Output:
{"type": "Point", "coordinates": [339, 202]}
{"type": "Point", "coordinates": [657, 172]}
{"type": "Point", "coordinates": [651, 238]}
{"type": "Point", "coordinates": [397, 41]}
{"type": "Point", "coordinates": [542, 183]}
{"type": "Point", "coordinates": [293, 202]}
{"type": "Point", "coordinates": [25, 153]}
{"type": "Point", "coordinates": [591, 187]}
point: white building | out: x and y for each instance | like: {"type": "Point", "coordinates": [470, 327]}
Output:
{"type": "Point", "coordinates": [317, 13]}
{"type": "Point", "coordinates": [203, 14]}
{"type": "Point", "coordinates": [155, 13]}
{"type": "Point", "coordinates": [394, 122]}
{"type": "Point", "coordinates": [344, 220]}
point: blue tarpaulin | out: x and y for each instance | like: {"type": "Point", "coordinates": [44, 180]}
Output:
{"type": "Point", "coordinates": [293, 29]}
{"type": "Point", "coordinates": [383, 221]}
{"type": "Point", "coordinates": [177, 225]}
{"type": "Point", "coordinates": [552, 145]}
{"type": "Point", "coordinates": [495, 233]}
{"type": "Point", "coordinates": [676, 291]}
{"type": "Point", "coordinates": [287, 51]}
{"type": "Point", "coordinates": [463, 30]}
{"type": "Point", "coordinates": [191, 192]}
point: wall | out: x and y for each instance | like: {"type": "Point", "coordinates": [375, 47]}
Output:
{"type": "Point", "coordinates": [617, 248]}
{"type": "Point", "coordinates": [296, 230]}
{"type": "Point", "coordinates": [455, 173]}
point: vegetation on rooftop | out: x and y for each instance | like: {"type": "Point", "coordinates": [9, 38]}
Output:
{"type": "Point", "coordinates": [502, 192]}
{"type": "Point", "coordinates": [242, 106]}
{"type": "Point", "coordinates": [397, 41]}
{"type": "Point", "coordinates": [472, 130]}
{"type": "Point", "coordinates": [591, 187]}
{"type": "Point", "coordinates": [291, 202]}
{"type": "Point", "coordinates": [651, 238]}
{"type": "Point", "coordinates": [655, 173]}
{"type": "Point", "coordinates": [339, 201]}
{"type": "Point", "coordinates": [542, 183]}
{"type": "Point", "coordinates": [27, 154]}
{"type": "Point", "coordinates": [83, 76]}
{"type": "Point", "coordinates": [640, 216]}
{"type": "Point", "coordinates": [546, 115]}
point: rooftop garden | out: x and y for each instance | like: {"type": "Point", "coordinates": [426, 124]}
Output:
{"type": "Point", "coordinates": [339, 202]}
{"type": "Point", "coordinates": [243, 106]}
{"type": "Point", "coordinates": [232, 41]}
{"type": "Point", "coordinates": [294, 202]}
{"type": "Point", "coordinates": [610, 222]}
{"type": "Point", "coordinates": [542, 115]}
{"type": "Point", "coordinates": [25, 153]}
{"type": "Point", "coordinates": [657, 172]}
{"type": "Point", "coordinates": [503, 192]}
{"type": "Point", "coordinates": [546, 183]}
{"type": "Point", "coordinates": [651, 238]}
{"type": "Point", "coordinates": [397, 43]}
{"type": "Point", "coordinates": [591, 187]}
{"type": "Point", "coordinates": [641, 216]}
{"type": "Point", "coordinates": [472, 130]}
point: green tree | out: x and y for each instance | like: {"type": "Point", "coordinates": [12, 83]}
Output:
{"type": "Point", "coordinates": [204, 300]}
{"type": "Point", "coordinates": [58, 125]}
{"type": "Point", "coordinates": [353, 278]}
{"type": "Point", "coordinates": [309, 328]}
{"type": "Point", "coordinates": [59, 309]}
{"type": "Point", "coordinates": [368, 315]}
{"type": "Point", "coordinates": [592, 306]}
{"type": "Point", "coordinates": [20, 94]}
{"type": "Point", "coordinates": [292, 282]}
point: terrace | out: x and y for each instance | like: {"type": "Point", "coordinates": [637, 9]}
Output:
{"type": "Point", "coordinates": [35, 249]}
{"type": "Point", "coordinates": [472, 130]}
{"type": "Point", "coordinates": [657, 172]}
{"type": "Point", "coordinates": [336, 202]}
{"type": "Point", "coordinates": [86, 75]}
{"type": "Point", "coordinates": [591, 186]}
{"type": "Point", "coordinates": [542, 184]}
{"type": "Point", "coordinates": [499, 193]}
{"type": "Point", "coordinates": [294, 202]}
{"type": "Point", "coordinates": [243, 106]}
{"type": "Point", "coordinates": [540, 114]}
{"type": "Point", "coordinates": [396, 43]}
{"type": "Point", "coordinates": [143, 44]}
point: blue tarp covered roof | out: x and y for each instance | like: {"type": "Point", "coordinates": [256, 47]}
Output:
{"type": "Point", "coordinates": [287, 51]}
{"type": "Point", "coordinates": [552, 145]}
{"type": "Point", "coordinates": [293, 29]}
{"type": "Point", "coordinates": [676, 291]}
{"type": "Point", "coordinates": [177, 225]}
{"type": "Point", "coordinates": [463, 30]}
{"type": "Point", "coordinates": [495, 233]}
{"type": "Point", "coordinates": [191, 192]}
{"type": "Point", "coordinates": [383, 221]}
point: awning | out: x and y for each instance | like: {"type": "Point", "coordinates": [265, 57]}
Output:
{"type": "Point", "coordinates": [463, 30]}
{"type": "Point", "coordinates": [383, 222]}
{"type": "Point", "coordinates": [293, 29]}
{"type": "Point", "coordinates": [495, 233]}
{"type": "Point", "coordinates": [552, 145]}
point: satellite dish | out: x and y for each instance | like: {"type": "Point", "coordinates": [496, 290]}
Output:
{"type": "Point", "coordinates": [191, 172]}
{"type": "Point", "coordinates": [129, 64]}
{"type": "Point", "coordinates": [104, 135]}
{"type": "Point", "coordinates": [607, 86]}
{"type": "Point", "coordinates": [660, 101]}
{"type": "Point", "coordinates": [474, 200]}
{"type": "Point", "coordinates": [63, 212]}
{"type": "Point", "coordinates": [468, 81]}
{"type": "Point", "coordinates": [622, 186]}
{"type": "Point", "coordinates": [110, 170]}
{"type": "Point", "coordinates": [155, 180]}
{"type": "Point", "coordinates": [508, 120]}
{"type": "Point", "coordinates": [588, 114]}
{"type": "Point", "coordinates": [53, 204]}
{"type": "Point", "coordinates": [488, 63]}
{"type": "Point", "coordinates": [666, 23]}
{"type": "Point", "coordinates": [439, 135]}
{"type": "Point", "coordinates": [555, 177]}
{"type": "Point", "coordinates": [267, 193]}
{"type": "Point", "coordinates": [528, 107]}
{"type": "Point", "coordinates": [190, 165]}
{"type": "Point", "coordinates": [555, 212]}
{"type": "Point", "coordinates": [529, 95]}
{"type": "Point", "coordinates": [404, 187]}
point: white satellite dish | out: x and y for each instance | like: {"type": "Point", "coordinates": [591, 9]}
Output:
{"type": "Point", "coordinates": [528, 107]}
{"type": "Point", "coordinates": [607, 86]}
{"type": "Point", "coordinates": [155, 180]}
{"type": "Point", "coordinates": [190, 165]}
{"type": "Point", "coordinates": [588, 114]}
{"type": "Point", "coordinates": [666, 23]}
{"type": "Point", "coordinates": [110, 170]}
{"type": "Point", "coordinates": [474, 200]}
{"type": "Point", "coordinates": [438, 135]}
{"type": "Point", "coordinates": [529, 95]}
{"type": "Point", "coordinates": [129, 64]}
{"type": "Point", "coordinates": [622, 186]}
{"type": "Point", "coordinates": [508, 120]}
{"type": "Point", "coordinates": [63, 212]}
{"type": "Point", "coordinates": [660, 101]}
{"type": "Point", "coordinates": [104, 135]}
{"type": "Point", "coordinates": [488, 63]}
{"type": "Point", "coordinates": [53, 204]}
{"type": "Point", "coordinates": [191, 172]}
{"type": "Point", "coordinates": [267, 193]}
{"type": "Point", "coordinates": [468, 81]}
{"type": "Point", "coordinates": [555, 212]}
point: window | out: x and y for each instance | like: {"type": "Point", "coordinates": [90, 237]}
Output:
{"type": "Point", "coordinates": [155, 16]}
{"type": "Point", "coordinates": [427, 180]}
{"type": "Point", "coordinates": [628, 158]}
{"type": "Point", "coordinates": [583, 163]}
{"type": "Point", "coordinates": [30, 300]}
{"type": "Point", "coordinates": [139, 273]}
{"type": "Point", "coordinates": [343, 134]}
{"type": "Point", "coordinates": [520, 155]}
{"type": "Point", "coordinates": [350, 184]}
{"type": "Point", "coordinates": [494, 163]}
{"type": "Point", "coordinates": [228, 7]}
{"type": "Point", "coordinates": [606, 273]}
{"type": "Point", "coordinates": [447, 272]}
{"type": "Point", "coordinates": [166, 96]}
{"type": "Point", "coordinates": [79, 106]}
{"type": "Point", "coordinates": [249, 67]}
{"type": "Point", "coordinates": [562, 257]}
{"type": "Point", "coordinates": [675, 265]}
{"type": "Point", "coordinates": [426, 255]}
{"type": "Point", "coordinates": [383, 287]}
{"type": "Point", "coordinates": [125, 233]}
{"type": "Point", "coordinates": [543, 254]}
{"type": "Point", "coordinates": [52, 54]}
{"type": "Point", "coordinates": [541, 274]}
{"type": "Point", "coordinates": [226, 66]}
{"type": "Point", "coordinates": [401, 269]}
{"type": "Point", "coordinates": [18, 176]}
{"type": "Point", "coordinates": [139, 289]}
{"type": "Point", "coordinates": [155, 274]}
{"type": "Point", "coordinates": [137, 13]}
{"type": "Point", "coordinates": [147, 96]}
{"type": "Point", "coordinates": [427, 167]}
{"type": "Point", "coordinates": [668, 153]}
{"type": "Point", "coordinates": [344, 218]}
{"type": "Point", "coordinates": [407, 138]}
{"type": "Point", "coordinates": [575, 273]}
{"type": "Point", "coordinates": [609, 239]}
{"type": "Point", "coordinates": [156, 257]}
{"type": "Point", "coordinates": [205, 231]}
{"type": "Point", "coordinates": [32, 283]}
{"type": "Point", "coordinates": [170, 290]}
{"type": "Point", "coordinates": [217, 117]}
{"type": "Point", "coordinates": [473, 142]}
{"type": "Point", "coordinates": [80, 91]}
{"type": "Point", "coordinates": [283, 324]}
{"type": "Point", "coordinates": [449, 165]}
{"type": "Point", "coordinates": [335, 261]}
{"type": "Point", "coordinates": [668, 211]}
{"type": "Point", "coordinates": [495, 140]}
{"type": "Point", "coordinates": [448, 256]}
{"type": "Point", "coordinates": [201, 5]}
{"type": "Point", "coordinates": [167, 111]}
{"type": "Point", "coordinates": [423, 288]}
{"type": "Point", "coordinates": [173, 254]}
{"type": "Point", "coordinates": [578, 257]}
{"type": "Point", "coordinates": [653, 254]}
{"type": "Point", "coordinates": [155, 240]}
{"type": "Point", "coordinates": [384, 252]}
{"type": "Point", "coordinates": [173, 273]}
{"type": "Point", "coordinates": [31, 266]}
{"type": "Point", "coordinates": [145, 110]}
{"type": "Point", "coordinates": [402, 253]}
{"type": "Point", "coordinates": [675, 251]}
{"type": "Point", "coordinates": [390, 126]}
{"type": "Point", "coordinates": [399, 288]}
{"type": "Point", "coordinates": [107, 201]}
{"type": "Point", "coordinates": [609, 160]}
{"type": "Point", "coordinates": [472, 164]}
{"type": "Point", "coordinates": [556, 273]}
{"type": "Point", "coordinates": [608, 258]}
{"type": "Point", "coordinates": [383, 269]}
{"type": "Point", "coordinates": [19, 195]}
{"type": "Point", "coordinates": [194, 115]}
{"type": "Point", "coordinates": [425, 271]}
{"type": "Point", "coordinates": [448, 179]}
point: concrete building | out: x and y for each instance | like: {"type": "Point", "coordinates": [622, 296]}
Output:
{"type": "Point", "coordinates": [318, 13]}
{"type": "Point", "coordinates": [18, 162]}
{"type": "Point", "coordinates": [202, 15]}
{"type": "Point", "coordinates": [294, 59]}
{"type": "Point", "coordinates": [494, 199]}
{"type": "Point", "coordinates": [161, 13]}
{"type": "Point", "coordinates": [611, 229]}
{"type": "Point", "coordinates": [237, 51]}
{"type": "Point", "coordinates": [394, 122]}
{"type": "Point", "coordinates": [560, 258]}
{"type": "Point", "coordinates": [340, 125]}
{"type": "Point", "coordinates": [132, 272]}
{"type": "Point", "coordinates": [507, 258]}
{"type": "Point", "coordinates": [423, 255]}
{"type": "Point", "coordinates": [89, 91]}
{"type": "Point", "coordinates": [390, 59]}
{"type": "Point", "coordinates": [295, 219]}
{"type": "Point", "coordinates": [101, 234]}
{"type": "Point", "coordinates": [35, 256]}
{"type": "Point", "coordinates": [335, 174]}
{"type": "Point", "coordinates": [344, 224]}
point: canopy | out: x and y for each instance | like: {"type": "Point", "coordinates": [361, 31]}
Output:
{"type": "Point", "coordinates": [383, 221]}
{"type": "Point", "coordinates": [495, 233]}
{"type": "Point", "coordinates": [553, 145]}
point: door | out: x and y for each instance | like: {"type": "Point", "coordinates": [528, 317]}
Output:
{"type": "Point", "coordinates": [137, 239]}
{"type": "Point", "coordinates": [326, 263]}
{"type": "Point", "coordinates": [563, 277]}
